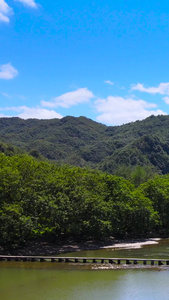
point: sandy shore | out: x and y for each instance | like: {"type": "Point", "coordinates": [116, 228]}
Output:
{"type": "Point", "coordinates": [43, 248]}
{"type": "Point", "coordinates": [134, 244]}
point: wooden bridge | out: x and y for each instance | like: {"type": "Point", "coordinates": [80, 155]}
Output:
{"type": "Point", "coordinates": [93, 260]}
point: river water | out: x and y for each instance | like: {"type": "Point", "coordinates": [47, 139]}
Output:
{"type": "Point", "coordinates": [49, 281]}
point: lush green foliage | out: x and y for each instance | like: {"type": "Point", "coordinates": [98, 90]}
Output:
{"type": "Point", "coordinates": [83, 142]}
{"type": "Point", "coordinates": [40, 199]}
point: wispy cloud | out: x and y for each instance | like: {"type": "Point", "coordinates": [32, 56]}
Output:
{"type": "Point", "coordinates": [5, 11]}
{"type": "Point", "coordinates": [10, 108]}
{"type": "Point", "coordinates": [69, 99]}
{"type": "Point", "coordinates": [30, 3]}
{"type": "Point", "coordinates": [7, 71]}
{"type": "Point", "coordinates": [6, 95]}
{"type": "Point", "coordinates": [162, 89]}
{"type": "Point", "coordinates": [109, 82]}
{"type": "Point", "coordinates": [22, 97]}
{"type": "Point", "coordinates": [118, 110]}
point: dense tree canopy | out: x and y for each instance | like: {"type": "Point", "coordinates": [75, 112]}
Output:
{"type": "Point", "coordinates": [41, 199]}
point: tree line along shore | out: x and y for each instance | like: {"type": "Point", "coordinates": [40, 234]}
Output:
{"type": "Point", "coordinates": [55, 203]}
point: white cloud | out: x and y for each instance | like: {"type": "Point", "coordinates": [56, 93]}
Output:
{"type": "Point", "coordinates": [5, 11]}
{"type": "Point", "coordinates": [118, 110]}
{"type": "Point", "coordinates": [166, 99]}
{"type": "Point", "coordinates": [25, 112]}
{"type": "Point", "coordinates": [162, 89]}
{"type": "Point", "coordinates": [72, 98]}
{"type": "Point", "coordinates": [109, 82]}
{"type": "Point", "coordinates": [30, 3]}
{"type": "Point", "coordinates": [7, 71]}
{"type": "Point", "coordinates": [37, 113]}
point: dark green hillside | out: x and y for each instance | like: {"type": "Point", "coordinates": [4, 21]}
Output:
{"type": "Point", "coordinates": [62, 140]}
{"type": "Point", "coordinates": [83, 142]}
{"type": "Point", "coordinates": [10, 150]}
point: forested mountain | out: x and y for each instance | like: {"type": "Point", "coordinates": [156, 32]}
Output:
{"type": "Point", "coordinates": [41, 197]}
{"type": "Point", "coordinates": [83, 142]}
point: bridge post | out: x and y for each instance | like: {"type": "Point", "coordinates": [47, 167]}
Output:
{"type": "Point", "coordinates": [8, 259]}
{"type": "Point", "coordinates": [53, 259]}
{"type": "Point", "coordinates": [33, 259]}
{"type": "Point", "coordinates": [66, 260]}
{"type": "Point", "coordinates": [42, 259]}
{"type": "Point", "coordinates": [24, 258]}
{"type": "Point", "coordinates": [60, 259]}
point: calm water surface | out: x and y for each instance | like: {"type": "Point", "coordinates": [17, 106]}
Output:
{"type": "Point", "coordinates": [49, 284]}
{"type": "Point", "coordinates": [49, 281]}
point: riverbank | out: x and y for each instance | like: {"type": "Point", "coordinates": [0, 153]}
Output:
{"type": "Point", "coordinates": [136, 244]}
{"type": "Point", "coordinates": [44, 248]}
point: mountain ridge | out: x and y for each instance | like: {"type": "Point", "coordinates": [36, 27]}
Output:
{"type": "Point", "coordinates": [84, 142]}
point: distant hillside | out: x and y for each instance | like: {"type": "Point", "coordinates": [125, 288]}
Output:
{"type": "Point", "coordinates": [83, 142]}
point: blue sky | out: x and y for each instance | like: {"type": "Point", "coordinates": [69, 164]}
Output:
{"type": "Point", "coordinates": [106, 60]}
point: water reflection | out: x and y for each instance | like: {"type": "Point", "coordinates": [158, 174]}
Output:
{"type": "Point", "coordinates": [47, 284]}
